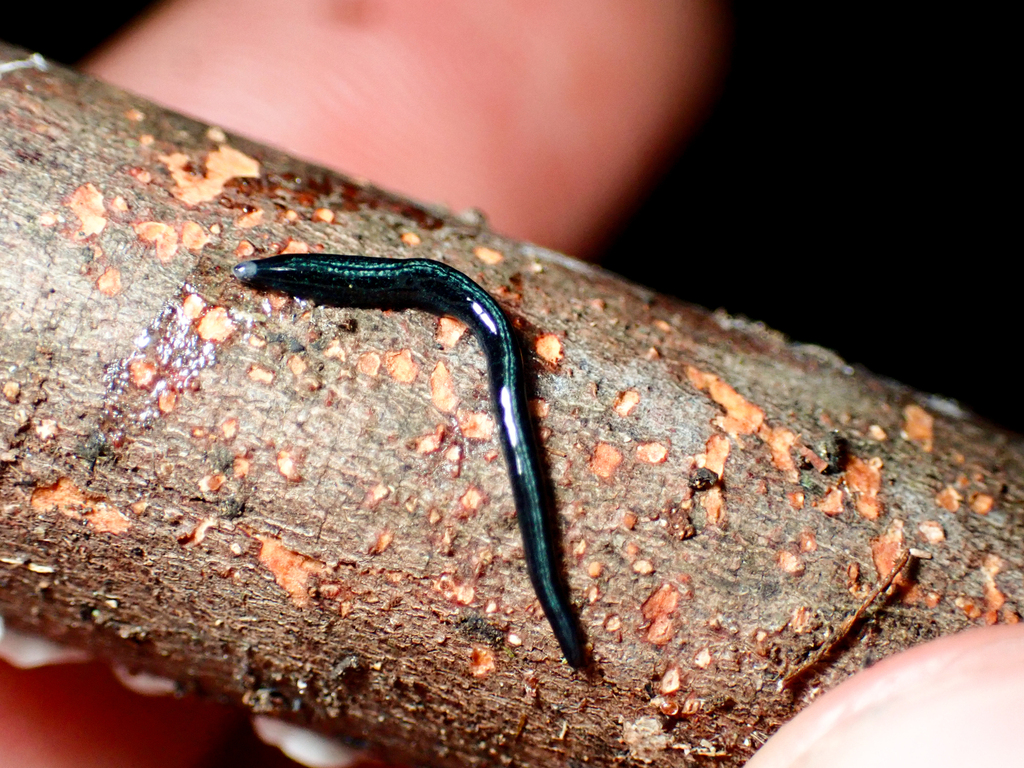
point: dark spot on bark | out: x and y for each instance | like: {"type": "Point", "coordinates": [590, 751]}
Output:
{"type": "Point", "coordinates": [475, 626]}
{"type": "Point", "coordinates": [702, 479]}
{"type": "Point", "coordinates": [836, 449]}
{"type": "Point", "coordinates": [231, 508]}
{"type": "Point", "coordinates": [95, 449]}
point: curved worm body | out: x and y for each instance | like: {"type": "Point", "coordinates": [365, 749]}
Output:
{"type": "Point", "coordinates": [363, 281]}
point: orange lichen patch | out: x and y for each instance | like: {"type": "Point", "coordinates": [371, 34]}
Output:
{"type": "Point", "coordinates": [790, 563]}
{"type": "Point", "coordinates": [161, 236]}
{"type": "Point", "coordinates": [288, 465]}
{"type": "Point", "coordinates": [994, 598]}
{"type": "Point", "coordinates": [716, 451]}
{"type": "Point", "coordinates": [472, 499]}
{"type": "Point", "coordinates": [801, 620]}
{"type": "Point", "coordinates": [376, 495]}
{"type": "Point", "coordinates": [702, 660]}
{"type": "Point", "coordinates": [741, 417]}
{"type": "Point", "coordinates": [454, 455]}
{"type": "Point", "coordinates": [295, 246]}
{"type": "Point", "coordinates": [143, 373]}
{"type": "Point", "coordinates": [796, 499]}
{"type": "Point", "coordinates": [819, 464]}
{"type": "Point", "coordinates": [968, 606]}
{"type": "Point", "coordinates": [325, 215]}
{"type": "Point", "coordinates": [539, 408]}
{"type": "Point", "coordinates": [449, 331]}
{"type": "Point", "coordinates": [106, 519]}
{"type": "Point", "coordinates": [109, 283]}
{"type": "Point", "coordinates": [808, 541]}
{"type": "Point", "coordinates": [832, 504]}
{"type": "Point", "coordinates": [47, 219]}
{"type": "Point", "coordinates": [430, 443]}
{"type": "Point", "coordinates": [229, 427]}
{"type": "Point", "coordinates": [411, 238]}
{"type": "Point", "coordinates": [215, 134]}
{"type": "Point", "coordinates": [917, 426]}
{"type": "Point", "coordinates": [296, 365]}
{"type": "Point", "coordinates": [481, 662]}
{"type": "Point", "coordinates": [651, 453]}
{"type": "Point", "coordinates": [193, 306]}
{"type": "Point", "coordinates": [119, 204]}
{"type": "Point", "coordinates": [240, 467]}
{"type": "Point", "coordinates": [595, 569]}
{"type": "Point", "coordinates": [714, 506]}
{"type": "Point", "coordinates": [887, 549]}
{"type": "Point", "coordinates": [215, 325]}
{"type": "Point", "coordinates": [931, 531]}
{"type": "Point", "coordinates": [291, 216]}
{"type": "Point", "coordinates": [146, 139]}
{"type": "Point", "coordinates": [780, 440]}
{"type": "Point", "coordinates": [45, 429]}
{"type": "Point", "coordinates": [368, 364]}
{"type": "Point", "coordinates": [87, 204]}
{"type": "Point", "coordinates": [981, 503]}
{"type": "Point", "coordinates": [250, 219]}
{"type": "Point", "coordinates": [244, 249]}
{"type": "Point", "coordinates": [335, 351]}
{"type": "Point", "coordinates": [198, 534]}
{"type": "Point", "coordinates": [864, 479]}
{"type": "Point", "coordinates": [949, 499]}
{"type": "Point", "coordinates": [476, 426]}
{"type": "Point", "coordinates": [657, 609]}
{"type": "Point", "coordinates": [488, 255]}
{"type": "Point", "coordinates": [549, 348]}
{"type": "Point", "coordinates": [464, 594]}
{"type": "Point", "coordinates": [221, 166]}
{"type": "Point", "coordinates": [212, 483]}
{"type": "Point", "coordinates": [401, 367]}
{"type": "Point", "coordinates": [662, 326]}
{"type": "Point", "coordinates": [73, 502]}
{"type": "Point", "coordinates": [141, 175]}
{"type": "Point", "coordinates": [12, 390]}
{"type": "Point", "coordinates": [382, 542]}
{"type": "Point", "coordinates": [442, 390]}
{"type": "Point", "coordinates": [605, 460]}
{"type": "Point", "coordinates": [134, 115]}
{"type": "Point", "coordinates": [875, 432]}
{"type": "Point", "coordinates": [643, 567]}
{"type": "Point", "coordinates": [625, 402]}
{"type": "Point", "coordinates": [167, 400]}
{"type": "Point", "coordinates": [193, 237]}
{"type": "Point", "coordinates": [292, 571]}
{"type": "Point", "coordinates": [260, 374]}
{"type": "Point", "coordinates": [670, 681]}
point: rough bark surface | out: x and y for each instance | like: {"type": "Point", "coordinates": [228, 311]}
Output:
{"type": "Point", "coordinates": [304, 509]}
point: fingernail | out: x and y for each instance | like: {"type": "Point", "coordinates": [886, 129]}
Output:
{"type": "Point", "coordinates": [303, 745]}
{"type": "Point", "coordinates": [27, 651]}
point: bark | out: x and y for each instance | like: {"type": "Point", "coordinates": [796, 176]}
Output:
{"type": "Point", "coordinates": [303, 509]}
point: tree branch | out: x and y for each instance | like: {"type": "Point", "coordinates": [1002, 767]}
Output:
{"type": "Point", "coordinates": [304, 509]}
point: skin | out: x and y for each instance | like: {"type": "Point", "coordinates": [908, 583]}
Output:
{"type": "Point", "coordinates": [553, 118]}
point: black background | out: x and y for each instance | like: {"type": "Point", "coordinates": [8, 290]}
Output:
{"type": "Point", "coordinates": [852, 188]}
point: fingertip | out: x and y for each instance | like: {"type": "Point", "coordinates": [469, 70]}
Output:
{"type": "Point", "coordinates": [921, 707]}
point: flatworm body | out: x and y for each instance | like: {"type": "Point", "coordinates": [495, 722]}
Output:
{"type": "Point", "coordinates": [363, 281]}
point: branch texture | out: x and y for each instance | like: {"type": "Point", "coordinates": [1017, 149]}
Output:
{"type": "Point", "coordinates": [304, 509]}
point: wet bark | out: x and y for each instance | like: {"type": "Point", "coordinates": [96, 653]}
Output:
{"type": "Point", "coordinates": [304, 510]}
